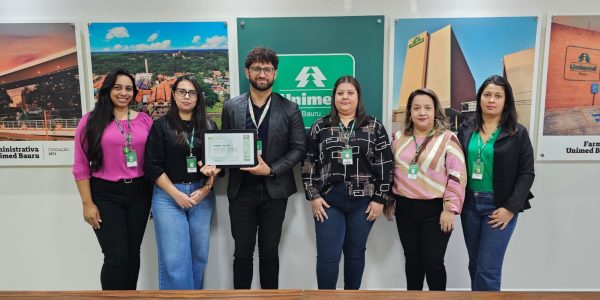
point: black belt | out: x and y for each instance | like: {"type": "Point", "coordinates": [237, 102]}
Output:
{"type": "Point", "coordinates": [131, 180]}
{"type": "Point", "coordinates": [123, 180]}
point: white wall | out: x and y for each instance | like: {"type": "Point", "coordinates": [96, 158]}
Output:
{"type": "Point", "coordinates": [45, 245]}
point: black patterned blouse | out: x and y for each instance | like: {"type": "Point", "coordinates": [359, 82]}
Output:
{"type": "Point", "coordinates": [369, 175]}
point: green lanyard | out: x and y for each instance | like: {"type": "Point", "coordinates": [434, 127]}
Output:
{"type": "Point", "coordinates": [418, 147]}
{"type": "Point", "coordinates": [191, 141]}
{"type": "Point", "coordinates": [479, 140]}
{"type": "Point", "coordinates": [346, 135]}
{"type": "Point", "coordinates": [127, 135]}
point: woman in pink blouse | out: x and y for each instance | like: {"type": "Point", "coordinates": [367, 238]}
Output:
{"type": "Point", "coordinates": [429, 189]}
{"type": "Point", "coordinates": [108, 171]}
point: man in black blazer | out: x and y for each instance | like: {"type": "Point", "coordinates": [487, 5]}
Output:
{"type": "Point", "coordinates": [258, 195]}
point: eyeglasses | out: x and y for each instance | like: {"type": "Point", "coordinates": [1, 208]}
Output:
{"type": "Point", "coordinates": [182, 93]}
{"type": "Point", "coordinates": [267, 70]}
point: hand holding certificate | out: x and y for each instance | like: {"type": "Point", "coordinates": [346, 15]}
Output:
{"type": "Point", "coordinates": [230, 148]}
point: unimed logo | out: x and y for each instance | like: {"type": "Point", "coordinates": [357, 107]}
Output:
{"type": "Point", "coordinates": [308, 80]}
{"type": "Point", "coordinates": [308, 72]}
{"type": "Point", "coordinates": [580, 64]}
{"type": "Point", "coordinates": [417, 40]}
{"type": "Point", "coordinates": [584, 57]}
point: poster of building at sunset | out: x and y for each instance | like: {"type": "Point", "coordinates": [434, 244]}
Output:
{"type": "Point", "coordinates": [40, 93]}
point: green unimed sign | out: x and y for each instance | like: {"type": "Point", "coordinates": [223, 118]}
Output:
{"type": "Point", "coordinates": [314, 52]}
{"type": "Point", "coordinates": [308, 80]}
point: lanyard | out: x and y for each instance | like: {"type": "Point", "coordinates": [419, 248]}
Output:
{"type": "Point", "coordinates": [262, 116]}
{"type": "Point", "coordinates": [479, 140]}
{"type": "Point", "coordinates": [191, 141]}
{"type": "Point", "coordinates": [128, 135]}
{"type": "Point", "coordinates": [347, 135]}
{"type": "Point", "coordinates": [419, 148]}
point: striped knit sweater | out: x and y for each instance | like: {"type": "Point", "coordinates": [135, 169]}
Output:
{"type": "Point", "coordinates": [442, 171]}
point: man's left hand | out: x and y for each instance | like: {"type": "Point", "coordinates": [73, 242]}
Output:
{"type": "Point", "coordinates": [262, 169]}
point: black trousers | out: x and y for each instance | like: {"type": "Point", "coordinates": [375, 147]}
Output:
{"type": "Point", "coordinates": [124, 209]}
{"type": "Point", "coordinates": [252, 211]}
{"type": "Point", "coordinates": [424, 242]}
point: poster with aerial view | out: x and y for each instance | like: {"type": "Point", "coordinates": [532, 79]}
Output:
{"type": "Point", "coordinates": [570, 113]}
{"type": "Point", "coordinates": [40, 93]}
{"type": "Point", "coordinates": [157, 53]}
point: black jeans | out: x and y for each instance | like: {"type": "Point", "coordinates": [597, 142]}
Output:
{"type": "Point", "coordinates": [251, 211]}
{"type": "Point", "coordinates": [124, 209]}
{"type": "Point", "coordinates": [424, 242]}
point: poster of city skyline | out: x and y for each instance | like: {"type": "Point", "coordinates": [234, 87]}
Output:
{"type": "Point", "coordinates": [453, 56]}
{"type": "Point", "coordinates": [570, 106]}
{"type": "Point", "coordinates": [40, 93]}
{"type": "Point", "coordinates": [156, 53]}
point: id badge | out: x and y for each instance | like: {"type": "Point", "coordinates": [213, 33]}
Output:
{"type": "Point", "coordinates": [192, 164]}
{"type": "Point", "coordinates": [131, 159]}
{"type": "Point", "coordinates": [347, 156]}
{"type": "Point", "coordinates": [259, 147]}
{"type": "Point", "coordinates": [413, 170]}
{"type": "Point", "coordinates": [477, 170]}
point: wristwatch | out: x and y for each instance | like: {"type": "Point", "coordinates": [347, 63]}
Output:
{"type": "Point", "coordinates": [272, 172]}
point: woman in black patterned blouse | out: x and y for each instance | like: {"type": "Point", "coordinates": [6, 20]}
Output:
{"type": "Point", "coordinates": [347, 174]}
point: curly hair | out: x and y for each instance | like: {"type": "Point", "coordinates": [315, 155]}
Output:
{"type": "Point", "coordinates": [262, 55]}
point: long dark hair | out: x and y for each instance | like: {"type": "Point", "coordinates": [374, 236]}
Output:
{"type": "Point", "coordinates": [101, 116]}
{"type": "Point", "coordinates": [509, 119]}
{"type": "Point", "coordinates": [199, 119]}
{"type": "Point", "coordinates": [440, 123]}
{"type": "Point", "coordinates": [360, 115]}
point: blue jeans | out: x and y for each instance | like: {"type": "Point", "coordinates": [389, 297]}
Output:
{"type": "Point", "coordinates": [182, 237]}
{"type": "Point", "coordinates": [486, 245]}
{"type": "Point", "coordinates": [347, 230]}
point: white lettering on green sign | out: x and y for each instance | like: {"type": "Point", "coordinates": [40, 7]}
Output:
{"type": "Point", "coordinates": [308, 79]}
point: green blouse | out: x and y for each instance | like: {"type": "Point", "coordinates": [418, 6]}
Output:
{"type": "Point", "coordinates": [482, 153]}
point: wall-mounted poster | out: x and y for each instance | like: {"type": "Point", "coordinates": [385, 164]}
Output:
{"type": "Point", "coordinates": [313, 53]}
{"type": "Point", "coordinates": [453, 56]}
{"type": "Point", "coordinates": [40, 95]}
{"type": "Point", "coordinates": [570, 114]}
{"type": "Point", "coordinates": [159, 52]}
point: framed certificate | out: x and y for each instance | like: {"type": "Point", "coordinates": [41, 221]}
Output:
{"type": "Point", "coordinates": [230, 148]}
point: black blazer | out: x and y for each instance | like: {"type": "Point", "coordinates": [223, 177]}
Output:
{"type": "Point", "coordinates": [513, 167]}
{"type": "Point", "coordinates": [286, 142]}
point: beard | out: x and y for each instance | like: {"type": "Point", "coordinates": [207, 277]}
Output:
{"type": "Point", "coordinates": [261, 87]}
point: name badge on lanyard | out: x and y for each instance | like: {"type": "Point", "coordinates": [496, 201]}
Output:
{"type": "Point", "coordinates": [477, 170]}
{"type": "Point", "coordinates": [130, 155]}
{"type": "Point", "coordinates": [479, 165]}
{"type": "Point", "coordinates": [192, 164]}
{"type": "Point", "coordinates": [191, 161]}
{"type": "Point", "coordinates": [347, 156]}
{"type": "Point", "coordinates": [259, 147]}
{"type": "Point", "coordinates": [257, 125]}
{"type": "Point", "coordinates": [347, 150]}
{"type": "Point", "coordinates": [413, 167]}
{"type": "Point", "coordinates": [413, 170]}
{"type": "Point", "coordinates": [131, 159]}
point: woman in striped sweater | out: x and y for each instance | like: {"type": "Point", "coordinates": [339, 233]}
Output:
{"type": "Point", "coordinates": [429, 188]}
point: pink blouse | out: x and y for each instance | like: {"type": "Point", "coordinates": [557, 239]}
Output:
{"type": "Point", "coordinates": [114, 166]}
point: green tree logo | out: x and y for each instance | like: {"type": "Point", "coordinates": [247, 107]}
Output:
{"type": "Point", "coordinates": [584, 56]}
{"type": "Point", "coordinates": [417, 40]}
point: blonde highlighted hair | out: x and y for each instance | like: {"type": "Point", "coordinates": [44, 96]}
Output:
{"type": "Point", "coordinates": [440, 123]}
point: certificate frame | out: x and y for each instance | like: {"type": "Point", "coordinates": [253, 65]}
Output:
{"type": "Point", "coordinates": [233, 139]}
